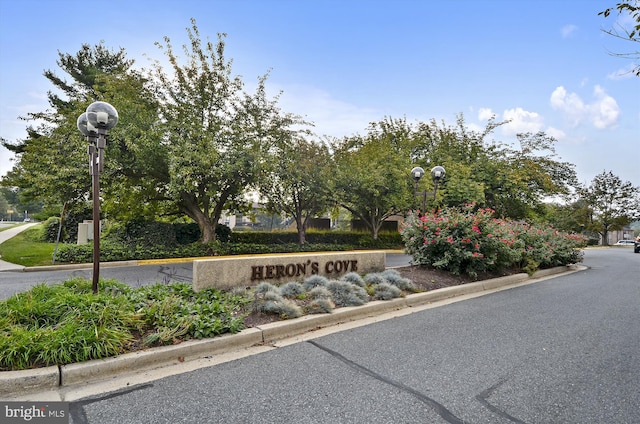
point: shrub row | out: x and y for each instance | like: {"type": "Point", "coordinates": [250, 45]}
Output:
{"type": "Point", "coordinates": [390, 240]}
{"type": "Point", "coordinates": [111, 251]}
{"type": "Point", "coordinates": [469, 241]}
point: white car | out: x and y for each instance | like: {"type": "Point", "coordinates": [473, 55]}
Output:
{"type": "Point", "coordinates": [624, 243]}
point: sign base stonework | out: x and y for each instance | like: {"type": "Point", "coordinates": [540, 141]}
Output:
{"type": "Point", "coordinates": [242, 271]}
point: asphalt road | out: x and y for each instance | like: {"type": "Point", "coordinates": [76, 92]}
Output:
{"type": "Point", "coordinates": [12, 282]}
{"type": "Point", "coordinates": [563, 350]}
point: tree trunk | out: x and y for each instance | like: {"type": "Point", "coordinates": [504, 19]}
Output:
{"type": "Point", "coordinates": [192, 210]}
{"type": "Point", "coordinates": [302, 230]}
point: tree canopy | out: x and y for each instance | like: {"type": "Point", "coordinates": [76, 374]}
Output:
{"type": "Point", "coordinates": [191, 141]}
{"type": "Point", "coordinates": [297, 182]}
{"type": "Point", "coordinates": [216, 134]}
{"type": "Point", "coordinates": [611, 203]}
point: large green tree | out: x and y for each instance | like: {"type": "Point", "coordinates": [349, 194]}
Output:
{"type": "Point", "coordinates": [511, 179]}
{"type": "Point", "coordinates": [612, 203]}
{"type": "Point", "coordinates": [297, 183]}
{"type": "Point", "coordinates": [371, 174]}
{"type": "Point", "coordinates": [52, 162]}
{"type": "Point", "coordinates": [217, 135]}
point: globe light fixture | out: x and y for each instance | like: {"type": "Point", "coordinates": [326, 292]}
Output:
{"type": "Point", "coordinates": [95, 124]}
{"type": "Point", "coordinates": [437, 176]}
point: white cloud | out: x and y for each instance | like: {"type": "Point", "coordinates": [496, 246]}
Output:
{"type": "Point", "coordinates": [331, 116]}
{"type": "Point", "coordinates": [602, 113]}
{"type": "Point", "coordinates": [556, 133]}
{"type": "Point", "coordinates": [521, 121]}
{"type": "Point", "coordinates": [485, 113]}
{"type": "Point", "coordinates": [605, 110]}
{"type": "Point", "coordinates": [568, 30]}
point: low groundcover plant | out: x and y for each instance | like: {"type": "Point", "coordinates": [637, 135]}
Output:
{"type": "Point", "coordinates": [66, 323]}
{"type": "Point", "coordinates": [470, 241]}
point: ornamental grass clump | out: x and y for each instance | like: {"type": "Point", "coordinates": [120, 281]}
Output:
{"type": "Point", "coordinates": [315, 281]}
{"type": "Point", "coordinates": [354, 278]}
{"type": "Point", "coordinates": [374, 278]}
{"type": "Point", "coordinates": [386, 291]}
{"type": "Point", "coordinates": [265, 287]}
{"type": "Point", "coordinates": [321, 306]}
{"type": "Point", "coordinates": [344, 293]}
{"type": "Point", "coordinates": [271, 302]}
{"type": "Point", "coordinates": [393, 277]}
{"type": "Point", "coordinates": [471, 241]}
{"type": "Point", "coordinates": [293, 290]}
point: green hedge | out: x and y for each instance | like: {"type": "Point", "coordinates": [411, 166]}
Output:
{"type": "Point", "coordinates": [137, 240]}
{"type": "Point", "coordinates": [386, 240]}
{"type": "Point", "coordinates": [151, 234]}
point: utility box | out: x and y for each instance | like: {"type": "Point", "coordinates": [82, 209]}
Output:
{"type": "Point", "coordinates": [83, 233]}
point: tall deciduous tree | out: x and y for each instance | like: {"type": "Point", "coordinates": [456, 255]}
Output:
{"type": "Point", "coordinates": [297, 183]}
{"type": "Point", "coordinates": [371, 175]}
{"type": "Point", "coordinates": [612, 202]}
{"type": "Point", "coordinates": [216, 134]}
{"type": "Point", "coordinates": [513, 180]}
{"type": "Point", "coordinates": [52, 162]}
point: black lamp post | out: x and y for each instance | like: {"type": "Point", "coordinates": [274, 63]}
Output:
{"type": "Point", "coordinates": [95, 123]}
{"type": "Point", "coordinates": [437, 175]}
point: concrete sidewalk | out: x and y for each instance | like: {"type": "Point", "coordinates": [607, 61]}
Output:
{"type": "Point", "coordinates": [6, 235]}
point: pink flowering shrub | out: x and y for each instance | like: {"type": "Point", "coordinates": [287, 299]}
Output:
{"type": "Point", "coordinates": [464, 241]}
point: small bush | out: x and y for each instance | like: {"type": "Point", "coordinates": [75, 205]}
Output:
{"type": "Point", "coordinates": [271, 302]}
{"type": "Point", "coordinates": [320, 306]}
{"type": "Point", "coordinates": [314, 281]}
{"type": "Point", "coordinates": [292, 290]}
{"type": "Point", "coordinates": [319, 292]}
{"type": "Point", "coordinates": [265, 287]}
{"type": "Point", "coordinates": [374, 278]}
{"type": "Point", "coordinates": [354, 278]}
{"type": "Point", "coordinates": [386, 291]}
{"type": "Point", "coordinates": [344, 293]}
{"type": "Point", "coordinates": [393, 277]}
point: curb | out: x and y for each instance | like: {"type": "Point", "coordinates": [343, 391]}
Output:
{"type": "Point", "coordinates": [13, 383]}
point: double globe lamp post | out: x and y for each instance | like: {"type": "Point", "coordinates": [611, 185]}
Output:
{"type": "Point", "coordinates": [95, 124]}
{"type": "Point", "coordinates": [437, 175]}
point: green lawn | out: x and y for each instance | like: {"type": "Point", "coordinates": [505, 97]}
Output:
{"type": "Point", "coordinates": [23, 249]}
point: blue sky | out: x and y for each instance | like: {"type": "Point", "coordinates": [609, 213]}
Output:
{"type": "Point", "coordinates": [544, 64]}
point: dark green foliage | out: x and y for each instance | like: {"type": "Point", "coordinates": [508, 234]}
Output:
{"type": "Point", "coordinates": [50, 232]}
{"type": "Point", "coordinates": [387, 240]}
{"type": "Point", "coordinates": [147, 234]}
{"type": "Point", "coordinates": [165, 234]}
{"type": "Point", "coordinates": [69, 225]}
